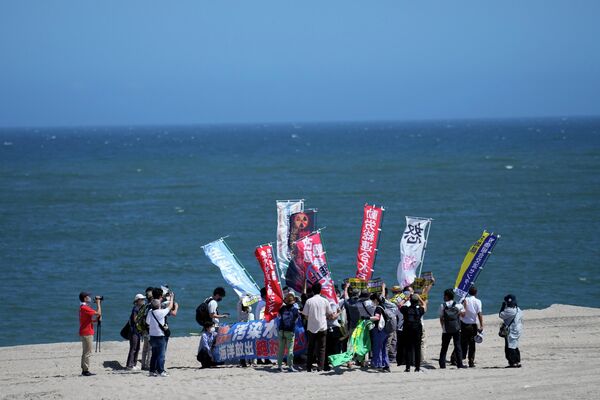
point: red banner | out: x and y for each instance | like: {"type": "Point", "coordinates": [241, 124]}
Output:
{"type": "Point", "coordinates": [369, 238]}
{"type": "Point", "coordinates": [274, 300]}
{"type": "Point", "coordinates": [312, 254]}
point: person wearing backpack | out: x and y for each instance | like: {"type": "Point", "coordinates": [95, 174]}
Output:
{"type": "Point", "coordinates": [288, 315]}
{"type": "Point", "coordinates": [450, 313]}
{"type": "Point", "coordinates": [379, 335]}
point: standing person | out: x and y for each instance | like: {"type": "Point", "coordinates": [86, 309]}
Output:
{"type": "Point", "coordinates": [317, 310]}
{"type": "Point", "coordinates": [213, 305]}
{"type": "Point", "coordinates": [468, 325]}
{"type": "Point", "coordinates": [156, 321]}
{"type": "Point", "coordinates": [259, 313]}
{"type": "Point", "coordinates": [512, 316]}
{"type": "Point", "coordinates": [333, 345]}
{"type": "Point", "coordinates": [87, 317]}
{"type": "Point", "coordinates": [379, 336]}
{"type": "Point", "coordinates": [391, 340]}
{"type": "Point", "coordinates": [134, 335]}
{"type": "Point", "coordinates": [288, 314]}
{"type": "Point", "coordinates": [244, 315]}
{"type": "Point", "coordinates": [450, 313]}
{"type": "Point", "coordinates": [412, 309]}
{"type": "Point", "coordinates": [207, 340]}
{"type": "Point", "coordinates": [142, 327]}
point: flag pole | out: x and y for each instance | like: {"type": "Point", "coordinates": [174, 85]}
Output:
{"type": "Point", "coordinates": [425, 246]}
{"type": "Point", "coordinates": [240, 262]}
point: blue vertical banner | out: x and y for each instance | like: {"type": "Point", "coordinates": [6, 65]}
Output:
{"type": "Point", "coordinates": [473, 263]}
{"type": "Point", "coordinates": [232, 270]}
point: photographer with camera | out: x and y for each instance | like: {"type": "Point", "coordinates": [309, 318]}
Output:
{"type": "Point", "coordinates": [87, 317]}
{"type": "Point", "coordinates": [159, 330]}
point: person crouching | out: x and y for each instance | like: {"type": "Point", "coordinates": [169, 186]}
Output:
{"type": "Point", "coordinates": [207, 340]}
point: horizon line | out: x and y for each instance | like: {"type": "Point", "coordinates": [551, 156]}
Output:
{"type": "Point", "coordinates": [300, 122]}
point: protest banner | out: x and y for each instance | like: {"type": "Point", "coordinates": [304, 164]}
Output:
{"type": "Point", "coordinates": [253, 339]}
{"type": "Point", "coordinates": [301, 225]}
{"type": "Point", "coordinates": [285, 208]}
{"type": "Point", "coordinates": [312, 255]}
{"type": "Point", "coordinates": [473, 263]}
{"type": "Point", "coordinates": [231, 268]}
{"type": "Point", "coordinates": [412, 249]}
{"type": "Point", "coordinates": [369, 239]}
{"type": "Point", "coordinates": [274, 297]}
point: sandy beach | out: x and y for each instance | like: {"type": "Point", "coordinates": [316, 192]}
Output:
{"type": "Point", "coordinates": [560, 355]}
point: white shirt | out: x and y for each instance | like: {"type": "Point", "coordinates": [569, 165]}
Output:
{"type": "Point", "coordinates": [160, 316]}
{"type": "Point", "coordinates": [259, 313]}
{"type": "Point", "coordinates": [458, 306]}
{"type": "Point", "coordinates": [316, 310]}
{"type": "Point", "coordinates": [472, 309]}
{"type": "Point", "coordinates": [212, 309]}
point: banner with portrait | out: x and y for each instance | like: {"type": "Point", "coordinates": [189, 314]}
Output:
{"type": "Point", "coordinates": [301, 224]}
{"type": "Point", "coordinates": [285, 208]}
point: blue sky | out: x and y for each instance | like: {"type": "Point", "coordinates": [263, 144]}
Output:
{"type": "Point", "coordinates": [184, 62]}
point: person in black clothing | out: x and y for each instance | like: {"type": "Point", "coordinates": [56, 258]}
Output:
{"type": "Point", "coordinates": [412, 331]}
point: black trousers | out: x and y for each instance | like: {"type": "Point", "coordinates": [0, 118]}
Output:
{"type": "Point", "coordinates": [467, 340]}
{"type": "Point", "coordinates": [400, 359]}
{"type": "Point", "coordinates": [513, 356]}
{"type": "Point", "coordinates": [316, 344]}
{"type": "Point", "coordinates": [455, 337]}
{"type": "Point", "coordinates": [411, 341]}
{"type": "Point", "coordinates": [205, 359]}
{"type": "Point", "coordinates": [332, 344]}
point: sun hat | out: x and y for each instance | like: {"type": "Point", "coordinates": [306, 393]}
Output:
{"type": "Point", "coordinates": [139, 297]}
{"type": "Point", "coordinates": [478, 338]}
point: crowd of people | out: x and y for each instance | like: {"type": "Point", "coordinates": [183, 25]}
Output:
{"type": "Point", "coordinates": [395, 320]}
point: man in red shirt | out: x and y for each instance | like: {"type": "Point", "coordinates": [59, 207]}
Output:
{"type": "Point", "coordinates": [86, 329]}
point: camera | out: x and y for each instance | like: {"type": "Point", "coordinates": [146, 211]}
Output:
{"type": "Point", "coordinates": [99, 298]}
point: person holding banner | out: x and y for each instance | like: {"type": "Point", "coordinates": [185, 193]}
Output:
{"type": "Point", "coordinates": [288, 314]}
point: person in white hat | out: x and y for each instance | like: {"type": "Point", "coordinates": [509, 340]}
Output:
{"type": "Point", "coordinates": [135, 336]}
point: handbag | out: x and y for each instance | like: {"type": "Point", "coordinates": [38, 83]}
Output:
{"type": "Point", "coordinates": [503, 331]}
{"type": "Point", "coordinates": [126, 331]}
{"type": "Point", "coordinates": [164, 328]}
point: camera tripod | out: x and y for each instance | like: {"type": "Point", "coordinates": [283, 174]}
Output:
{"type": "Point", "coordinates": [99, 336]}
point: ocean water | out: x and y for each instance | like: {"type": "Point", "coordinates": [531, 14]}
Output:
{"type": "Point", "coordinates": [114, 210]}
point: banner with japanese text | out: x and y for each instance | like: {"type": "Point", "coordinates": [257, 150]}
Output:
{"type": "Point", "coordinates": [369, 239]}
{"type": "Point", "coordinates": [274, 298]}
{"type": "Point", "coordinates": [473, 263]}
{"type": "Point", "coordinates": [285, 208]}
{"type": "Point", "coordinates": [254, 339]}
{"type": "Point", "coordinates": [302, 224]}
{"type": "Point", "coordinates": [312, 254]}
{"type": "Point", "coordinates": [232, 270]}
{"type": "Point", "coordinates": [412, 246]}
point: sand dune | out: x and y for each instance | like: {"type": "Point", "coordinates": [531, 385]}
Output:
{"type": "Point", "coordinates": [560, 355]}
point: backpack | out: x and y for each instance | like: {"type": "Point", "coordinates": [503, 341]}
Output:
{"type": "Point", "coordinates": [202, 314]}
{"type": "Point", "coordinates": [352, 312]}
{"type": "Point", "coordinates": [391, 323]}
{"type": "Point", "coordinates": [289, 315]}
{"type": "Point", "coordinates": [412, 319]}
{"type": "Point", "coordinates": [140, 319]}
{"type": "Point", "coordinates": [451, 318]}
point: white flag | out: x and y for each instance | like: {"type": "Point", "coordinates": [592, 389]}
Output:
{"type": "Point", "coordinates": [412, 245]}
{"type": "Point", "coordinates": [285, 208]}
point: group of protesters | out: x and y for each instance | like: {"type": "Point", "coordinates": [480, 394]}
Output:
{"type": "Point", "coordinates": [394, 319]}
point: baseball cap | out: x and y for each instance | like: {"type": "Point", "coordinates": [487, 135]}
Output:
{"type": "Point", "coordinates": [139, 297]}
{"type": "Point", "coordinates": [83, 295]}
